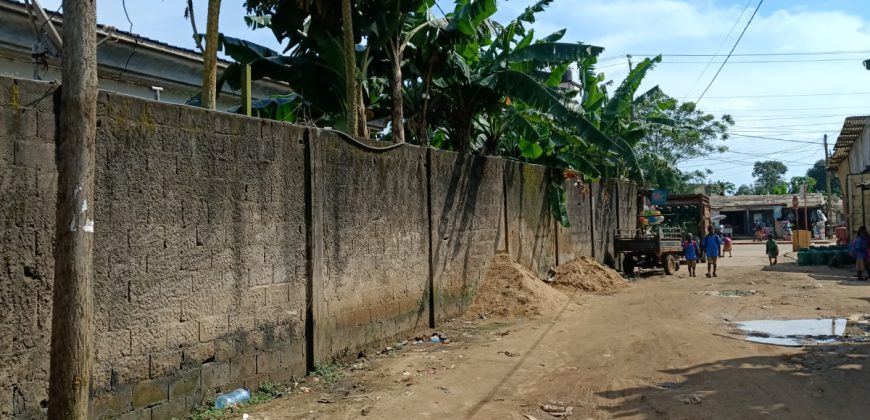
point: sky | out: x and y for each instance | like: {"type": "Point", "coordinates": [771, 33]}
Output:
{"type": "Point", "coordinates": [783, 100]}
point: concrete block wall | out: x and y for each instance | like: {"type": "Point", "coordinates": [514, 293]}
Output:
{"type": "Point", "coordinates": [531, 230]}
{"type": "Point", "coordinates": [468, 220]}
{"type": "Point", "coordinates": [373, 230]}
{"type": "Point", "coordinates": [576, 240]}
{"type": "Point", "coordinates": [230, 251]}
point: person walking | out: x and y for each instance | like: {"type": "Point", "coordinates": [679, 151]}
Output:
{"type": "Point", "coordinates": [858, 250]}
{"type": "Point", "coordinates": [727, 247]}
{"type": "Point", "coordinates": [692, 252]}
{"type": "Point", "coordinates": [712, 245]}
{"type": "Point", "coordinates": [772, 250]}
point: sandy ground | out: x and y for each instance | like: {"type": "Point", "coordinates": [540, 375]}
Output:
{"type": "Point", "coordinates": [666, 347]}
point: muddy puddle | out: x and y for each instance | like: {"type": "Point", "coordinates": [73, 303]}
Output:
{"type": "Point", "coordinates": [795, 332]}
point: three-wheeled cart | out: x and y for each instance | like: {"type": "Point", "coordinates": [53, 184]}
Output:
{"type": "Point", "coordinates": [650, 247]}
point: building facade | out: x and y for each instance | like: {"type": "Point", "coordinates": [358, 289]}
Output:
{"type": "Point", "coordinates": [850, 162]}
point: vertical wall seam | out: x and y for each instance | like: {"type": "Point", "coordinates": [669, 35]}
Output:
{"type": "Point", "coordinates": [504, 195]}
{"type": "Point", "coordinates": [592, 218]}
{"type": "Point", "coordinates": [309, 254]}
{"type": "Point", "coordinates": [431, 279]}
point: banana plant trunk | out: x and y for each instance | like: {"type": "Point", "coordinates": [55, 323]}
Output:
{"type": "Point", "coordinates": [396, 93]}
{"type": "Point", "coordinates": [209, 58]}
{"type": "Point", "coordinates": [349, 67]}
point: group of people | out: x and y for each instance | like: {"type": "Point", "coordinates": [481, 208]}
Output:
{"type": "Point", "coordinates": [711, 247]}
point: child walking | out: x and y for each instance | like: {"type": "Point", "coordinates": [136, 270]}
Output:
{"type": "Point", "coordinates": [727, 247]}
{"type": "Point", "coordinates": [772, 250]}
{"type": "Point", "coordinates": [858, 250]}
{"type": "Point", "coordinates": [712, 247]}
{"type": "Point", "coordinates": [691, 251]}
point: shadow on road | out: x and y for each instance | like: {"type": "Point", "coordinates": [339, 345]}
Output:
{"type": "Point", "coordinates": [817, 382]}
{"type": "Point", "coordinates": [843, 275]}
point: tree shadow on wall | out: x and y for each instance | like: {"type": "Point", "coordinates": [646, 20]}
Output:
{"type": "Point", "coordinates": [816, 383]}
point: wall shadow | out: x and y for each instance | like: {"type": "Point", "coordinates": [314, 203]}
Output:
{"type": "Point", "coordinates": [816, 383]}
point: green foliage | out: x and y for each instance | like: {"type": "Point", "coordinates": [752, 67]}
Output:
{"type": "Point", "coordinates": [722, 188]}
{"type": "Point", "coordinates": [794, 185]}
{"type": "Point", "coordinates": [818, 171]}
{"type": "Point", "coordinates": [744, 190]}
{"type": "Point", "coordinates": [768, 175]}
{"type": "Point", "coordinates": [329, 373]}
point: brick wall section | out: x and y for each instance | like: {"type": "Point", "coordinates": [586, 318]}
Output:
{"type": "Point", "coordinates": [604, 219]}
{"type": "Point", "coordinates": [375, 244]}
{"type": "Point", "coordinates": [28, 185]}
{"type": "Point", "coordinates": [199, 253]}
{"type": "Point", "coordinates": [199, 256]}
{"type": "Point", "coordinates": [531, 230]}
{"type": "Point", "coordinates": [467, 226]}
{"type": "Point", "coordinates": [576, 240]}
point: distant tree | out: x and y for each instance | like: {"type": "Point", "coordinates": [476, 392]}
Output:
{"type": "Point", "coordinates": [794, 186]}
{"type": "Point", "coordinates": [817, 172]}
{"type": "Point", "coordinates": [744, 190]}
{"type": "Point", "coordinates": [768, 176]}
{"type": "Point", "coordinates": [722, 188]}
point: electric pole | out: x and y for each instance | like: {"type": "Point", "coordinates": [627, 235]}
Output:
{"type": "Point", "coordinates": [827, 183]}
{"type": "Point", "coordinates": [72, 320]}
{"type": "Point", "coordinates": [208, 98]}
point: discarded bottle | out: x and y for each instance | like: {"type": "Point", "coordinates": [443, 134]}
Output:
{"type": "Point", "coordinates": [230, 399]}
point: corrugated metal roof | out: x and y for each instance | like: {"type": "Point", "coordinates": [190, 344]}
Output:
{"type": "Point", "coordinates": [739, 202]}
{"type": "Point", "coordinates": [851, 131]}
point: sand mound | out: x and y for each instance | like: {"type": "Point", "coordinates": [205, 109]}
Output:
{"type": "Point", "coordinates": [584, 273]}
{"type": "Point", "coordinates": [510, 290]}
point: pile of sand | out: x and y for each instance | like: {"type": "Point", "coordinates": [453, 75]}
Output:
{"type": "Point", "coordinates": [586, 274]}
{"type": "Point", "coordinates": [511, 291]}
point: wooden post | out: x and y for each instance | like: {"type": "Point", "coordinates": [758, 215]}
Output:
{"type": "Point", "coordinates": [246, 89]}
{"type": "Point", "coordinates": [72, 333]}
{"type": "Point", "coordinates": [208, 98]}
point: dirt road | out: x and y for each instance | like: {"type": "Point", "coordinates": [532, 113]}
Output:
{"type": "Point", "coordinates": [666, 347]}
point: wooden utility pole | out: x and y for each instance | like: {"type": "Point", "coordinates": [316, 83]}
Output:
{"type": "Point", "coordinates": [349, 67]}
{"type": "Point", "coordinates": [72, 334]}
{"type": "Point", "coordinates": [827, 183]}
{"type": "Point", "coordinates": [209, 57]}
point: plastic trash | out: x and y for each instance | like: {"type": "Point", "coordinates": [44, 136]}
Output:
{"type": "Point", "coordinates": [435, 339]}
{"type": "Point", "coordinates": [230, 399]}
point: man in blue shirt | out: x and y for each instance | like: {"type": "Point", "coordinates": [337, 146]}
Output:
{"type": "Point", "coordinates": [712, 245]}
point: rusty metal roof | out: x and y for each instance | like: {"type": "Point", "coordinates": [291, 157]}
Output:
{"type": "Point", "coordinates": [851, 131]}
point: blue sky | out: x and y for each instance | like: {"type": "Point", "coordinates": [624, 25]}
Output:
{"type": "Point", "coordinates": [754, 93]}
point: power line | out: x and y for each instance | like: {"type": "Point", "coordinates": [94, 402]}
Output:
{"type": "Point", "coordinates": [712, 57]}
{"type": "Point", "coordinates": [808, 60]}
{"type": "Point", "coordinates": [794, 95]}
{"type": "Point", "coordinates": [777, 139]}
{"type": "Point", "coordinates": [789, 126]}
{"type": "Point", "coordinates": [835, 52]}
{"type": "Point", "coordinates": [730, 52]}
{"type": "Point", "coordinates": [787, 109]}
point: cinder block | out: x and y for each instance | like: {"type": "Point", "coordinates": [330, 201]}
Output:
{"type": "Point", "coordinates": [243, 367]}
{"type": "Point", "coordinates": [111, 404]}
{"type": "Point", "coordinates": [182, 334]}
{"type": "Point", "coordinates": [148, 339]}
{"type": "Point", "coordinates": [215, 375]}
{"type": "Point", "coordinates": [36, 155]}
{"type": "Point", "coordinates": [112, 345]}
{"type": "Point", "coordinates": [143, 414]}
{"type": "Point", "coordinates": [172, 409]}
{"type": "Point", "coordinates": [198, 354]}
{"type": "Point", "coordinates": [165, 364]}
{"type": "Point", "coordinates": [212, 327]}
{"type": "Point", "coordinates": [227, 348]}
{"type": "Point", "coordinates": [148, 393]}
{"type": "Point", "coordinates": [184, 384]}
{"type": "Point", "coordinates": [131, 369]}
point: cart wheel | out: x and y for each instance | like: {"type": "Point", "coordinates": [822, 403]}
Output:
{"type": "Point", "coordinates": [629, 265]}
{"type": "Point", "coordinates": [670, 263]}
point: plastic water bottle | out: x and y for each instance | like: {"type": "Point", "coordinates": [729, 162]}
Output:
{"type": "Point", "coordinates": [230, 399]}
